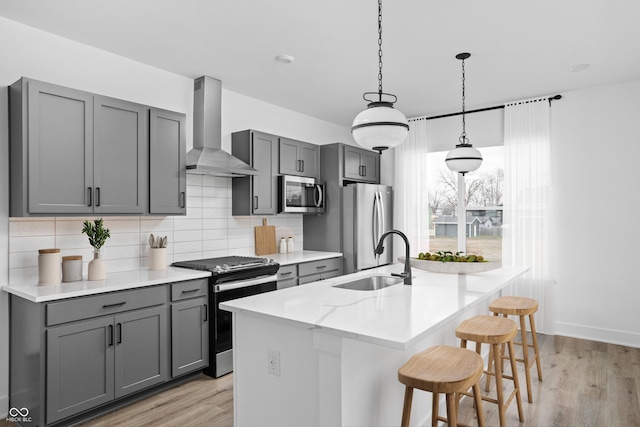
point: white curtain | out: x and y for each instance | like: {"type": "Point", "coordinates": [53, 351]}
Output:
{"type": "Point", "coordinates": [527, 221]}
{"type": "Point", "coordinates": [410, 213]}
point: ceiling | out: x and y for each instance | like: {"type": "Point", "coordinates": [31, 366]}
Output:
{"type": "Point", "coordinates": [519, 49]}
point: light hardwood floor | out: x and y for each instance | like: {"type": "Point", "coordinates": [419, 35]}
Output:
{"type": "Point", "coordinates": [585, 383]}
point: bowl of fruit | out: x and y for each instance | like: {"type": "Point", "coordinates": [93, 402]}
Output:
{"type": "Point", "coordinates": [451, 262]}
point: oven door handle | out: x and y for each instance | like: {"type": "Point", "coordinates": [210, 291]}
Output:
{"type": "Point", "coordinates": [244, 283]}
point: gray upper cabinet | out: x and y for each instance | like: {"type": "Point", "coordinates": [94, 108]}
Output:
{"type": "Point", "coordinates": [361, 165]}
{"type": "Point", "coordinates": [51, 149]}
{"type": "Point", "coordinates": [77, 153]}
{"type": "Point", "coordinates": [299, 158]}
{"type": "Point", "coordinates": [168, 178]}
{"type": "Point", "coordinates": [258, 194]}
{"type": "Point", "coordinates": [120, 157]}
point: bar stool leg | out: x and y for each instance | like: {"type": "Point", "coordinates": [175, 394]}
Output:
{"type": "Point", "coordinates": [516, 383]}
{"type": "Point", "coordinates": [498, 374]}
{"type": "Point", "coordinates": [477, 398]}
{"type": "Point", "coordinates": [452, 417]}
{"type": "Point", "coordinates": [535, 345]}
{"type": "Point", "coordinates": [525, 356]}
{"type": "Point", "coordinates": [435, 403]}
{"type": "Point", "coordinates": [406, 409]}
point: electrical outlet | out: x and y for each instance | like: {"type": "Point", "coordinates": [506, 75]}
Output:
{"type": "Point", "coordinates": [273, 362]}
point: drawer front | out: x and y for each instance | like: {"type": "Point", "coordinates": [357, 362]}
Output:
{"type": "Point", "coordinates": [189, 289]}
{"type": "Point", "coordinates": [99, 305]}
{"type": "Point", "coordinates": [287, 283]}
{"type": "Point", "coordinates": [287, 272]}
{"type": "Point", "coordinates": [321, 266]}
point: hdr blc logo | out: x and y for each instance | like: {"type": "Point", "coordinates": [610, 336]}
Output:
{"type": "Point", "coordinates": [19, 415]}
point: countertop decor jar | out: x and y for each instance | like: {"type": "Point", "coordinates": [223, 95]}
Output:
{"type": "Point", "coordinates": [49, 268]}
{"type": "Point", "coordinates": [71, 268]}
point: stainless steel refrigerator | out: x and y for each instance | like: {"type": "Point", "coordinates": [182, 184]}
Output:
{"type": "Point", "coordinates": [367, 212]}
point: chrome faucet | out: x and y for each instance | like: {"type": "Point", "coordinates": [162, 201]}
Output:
{"type": "Point", "coordinates": [407, 263]}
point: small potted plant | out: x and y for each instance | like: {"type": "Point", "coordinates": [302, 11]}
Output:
{"type": "Point", "coordinates": [98, 235]}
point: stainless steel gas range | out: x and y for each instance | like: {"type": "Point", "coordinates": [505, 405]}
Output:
{"type": "Point", "coordinates": [232, 277]}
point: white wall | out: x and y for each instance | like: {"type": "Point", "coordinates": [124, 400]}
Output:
{"type": "Point", "coordinates": [208, 228]}
{"type": "Point", "coordinates": [595, 152]}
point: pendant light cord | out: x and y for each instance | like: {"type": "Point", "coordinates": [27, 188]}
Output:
{"type": "Point", "coordinates": [463, 137]}
{"type": "Point", "coordinates": [380, 50]}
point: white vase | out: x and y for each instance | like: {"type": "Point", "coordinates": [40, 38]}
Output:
{"type": "Point", "coordinates": [97, 268]}
{"type": "Point", "coordinates": [157, 258]}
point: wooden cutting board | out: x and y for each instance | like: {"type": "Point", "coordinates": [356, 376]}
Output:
{"type": "Point", "coordinates": [265, 238]}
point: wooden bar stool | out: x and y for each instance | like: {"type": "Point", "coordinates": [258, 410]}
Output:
{"type": "Point", "coordinates": [494, 331]}
{"type": "Point", "coordinates": [442, 369]}
{"type": "Point", "coordinates": [522, 307]}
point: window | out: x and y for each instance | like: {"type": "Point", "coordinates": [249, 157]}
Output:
{"type": "Point", "coordinates": [484, 190]}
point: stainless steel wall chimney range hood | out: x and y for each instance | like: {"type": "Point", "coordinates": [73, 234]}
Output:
{"type": "Point", "coordinates": [207, 156]}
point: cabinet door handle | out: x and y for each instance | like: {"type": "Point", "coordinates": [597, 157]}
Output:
{"type": "Point", "coordinates": [110, 333]}
{"type": "Point", "coordinates": [90, 195]}
{"type": "Point", "coordinates": [190, 291]}
{"type": "Point", "coordinates": [286, 273]}
{"type": "Point", "coordinates": [302, 163]}
{"type": "Point", "coordinates": [321, 267]}
{"type": "Point", "coordinates": [361, 170]}
{"type": "Point", "coordinates": [182, 199]}
{"type": "Point", "coordinates": [206, 313]}
{"type": "Point", "coordinates": [255, 202]}
{"type": "Point", "coordinates": [119, 333]}
{"type": "Point", "coordinates": [97, 196]}
{"type": "Point", "coordinates": [117, 304]}
{"type": "Point", "coordinates": [365, 170]}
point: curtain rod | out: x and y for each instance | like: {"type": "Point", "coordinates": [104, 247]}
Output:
{"type": "Point", "coordinates": [497, 107]}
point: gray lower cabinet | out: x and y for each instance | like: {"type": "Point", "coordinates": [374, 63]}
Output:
{"type": "Point", "coordinates": [69, 357]}
{"type": "Point", "coordinates": [95, 361]}
{"type": "Point", "coordinates": [299, 158]}
{"type": "Point", "coordinates": [167, 160]}
{"type": "Point", "coordinates": [307, 272]}
{"type": "Point", "coordinates": [189, 327]}
{"type": "Point", "coordinates": [258, 194]}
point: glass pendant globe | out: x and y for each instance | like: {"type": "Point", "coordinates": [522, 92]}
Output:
{"type": "Point", "coordinates": [464, 158]}
{"type": "Point", "coordinates": [380, 125]}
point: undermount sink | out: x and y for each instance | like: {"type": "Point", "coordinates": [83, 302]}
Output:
{"type": "Point", "coordinates": [371, 283]}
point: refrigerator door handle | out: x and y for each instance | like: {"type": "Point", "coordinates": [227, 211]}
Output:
{"type": "Point", "coordinates": [382, 222]}
{"type": "Point", "coordinates": [374, 223]}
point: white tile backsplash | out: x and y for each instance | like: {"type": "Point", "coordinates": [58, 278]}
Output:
{"type": "Point", "coordinates": [208, 230]}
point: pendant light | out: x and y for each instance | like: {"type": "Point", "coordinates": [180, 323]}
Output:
{"type": "Point", "coordinates": [464, 158]}
{"type": "Point", "coordinates": [380, 126]}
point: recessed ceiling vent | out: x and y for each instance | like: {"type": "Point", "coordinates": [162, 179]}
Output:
{"type": "Point", "coordinates": [207, 156]}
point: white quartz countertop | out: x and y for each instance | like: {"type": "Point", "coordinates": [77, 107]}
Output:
{"type": "Point", "coordinates": [396, 316]}
{"type": "Point", "coordinates": [114, 282]}
{"type": "Point", "coordinates": [302, 256]}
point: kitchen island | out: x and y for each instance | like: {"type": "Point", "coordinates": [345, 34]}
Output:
{"type": "Point", "coordinates": [317, 355]}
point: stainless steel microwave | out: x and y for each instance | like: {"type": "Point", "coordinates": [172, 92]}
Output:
{"type": "Point", "coordinates": [300, 194]}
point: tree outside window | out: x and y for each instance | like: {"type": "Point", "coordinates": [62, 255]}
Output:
{"type": "Point", "coordinates": [483, 196]}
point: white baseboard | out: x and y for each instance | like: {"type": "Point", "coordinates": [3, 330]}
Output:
{"type": "Point", "coordinates": [610, 336]}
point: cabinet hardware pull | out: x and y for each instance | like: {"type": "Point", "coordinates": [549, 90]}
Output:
{"type": "Point", "coordinates": [190, 291]}
{"type": "Point", "coordinates": [206, 312]}
{"type": "Point", "coordinates": [255, 202]}
{"type": "Point", "coordinates": [119, 333]}
{"type": "Point", "coordinates": [286, 273]}
{"type": "Point", "coordinates": [298, 166]}
{"type": "Point", "coordinates": [90, 194]}
{"type": "Point", "coordinates": [182, 201]}
{"type": "Point", "coordinates": [320, 267]}
{"type": "Point", "coordinates": [97, 196]}
{"type": "Point", "coordinates": [110, 335]}
{"type": "Point", "coordinates": [365, 170]}
{"type": "Point", "coordinates": [302, 162]}
{"type": "Point", "coordinates": [117, 304]}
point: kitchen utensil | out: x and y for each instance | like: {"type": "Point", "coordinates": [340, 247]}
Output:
{"type": "Point", "coordinates": [164, 242]}
{"type": "Point", "coordinates": [151, 241]}
{"type": "Point", "coordinates": [265, 238]}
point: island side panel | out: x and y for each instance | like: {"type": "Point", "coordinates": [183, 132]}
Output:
{"type": "Point", "coordinates": [289, 399]}
{"type": "Point", "coordinates": [371, 392]}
